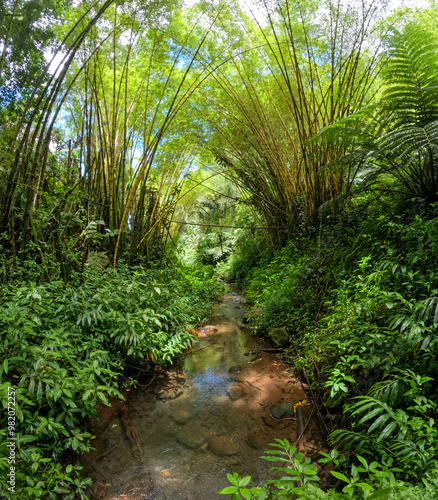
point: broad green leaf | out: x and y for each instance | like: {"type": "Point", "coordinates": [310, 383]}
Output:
{"type": "Point", "coordinates": [380, 494]}
{"type": "Point", "coordinates": [246, 494]}
{"type": "Point", "coordinates": [87, 393]}
{"type": "Point", "coordinates": [363, 462]}
{"type": "Point", "coordinates": [27, 439]}
{"type": "Point", "coordinates": [233, 479]}
{"type": "Point", "coordinates": [61, 490]}
{"type": "Point", "coordinates": [365, 486]}
{"type": "Point", "coordinates": [340, 476]}
{"type": "Point", "coordinates": [228, 490]}
{"type": "Point", "coordinates": [244, 481]}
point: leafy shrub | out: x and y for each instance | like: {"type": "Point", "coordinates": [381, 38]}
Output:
{"type": "Point", "coordinates": [364, 480]}
{"type": "Point", "coordinates": [64, 349]}
{"type": "Point", "coordinates": [360, 302]}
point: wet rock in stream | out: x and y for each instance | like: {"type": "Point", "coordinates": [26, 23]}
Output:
{"type": "Point", "coordinates": [171, 430]}
{"type": "Point", "coordinates": [206, 330]}
{"type": "Point", "coordinates": [170, 393]}
{"type": "Point", "coordinates": [234, 370]}
{"type": "Point", "coordinates": [192, 435]}
{"type": "Point", "coordinates": [236, 391]}
{"type": "Point", "coordinates": [222, 445]}
{"type": "Point", "coordinates": [145, 425]}
{"type": "Point", "coordinates": [182, 415]}
{"type": "Point", "coordinates": [172, 389]}
{"type": "Point", "coordinates": [258, 436]}
{"type": "Point", "coordinates": [282, 411]}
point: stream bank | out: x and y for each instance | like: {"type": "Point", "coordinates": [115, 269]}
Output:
{"type": "Point", "coordinates": [214, 412]}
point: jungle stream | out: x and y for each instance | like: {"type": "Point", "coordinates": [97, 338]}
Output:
{"type": "Point", "coordinates": [213, 412]}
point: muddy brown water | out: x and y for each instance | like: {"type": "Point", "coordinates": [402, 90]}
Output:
{"type": "Point", "coordinates": [177, 436]}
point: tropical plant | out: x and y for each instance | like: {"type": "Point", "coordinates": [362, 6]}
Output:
{"type": "Point", "coordinates": [264, 116]}
{"type": "Point", "coordinates": [371, 481]}
{"type": "Point", "coordinates": [395, 141]}
{"type": "Point", "coordinates": [101, 138]}
{"type": "Point", "coordinates": [63, 352]}
{"type": "Point", "coordinates": [382, 426]}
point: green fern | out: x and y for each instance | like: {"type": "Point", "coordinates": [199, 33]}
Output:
{"type": "Point", "coordinates": [397, 138]}
{"type": "Point", "coordinates": [410, 438]}
{"type": "Point", "coordinates": [389, 391]}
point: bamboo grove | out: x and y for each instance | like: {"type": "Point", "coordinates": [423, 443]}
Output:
{"type": "Point", "coordinates": [311, 85]}
{"type": "Point", "coordinates": [101, 150]}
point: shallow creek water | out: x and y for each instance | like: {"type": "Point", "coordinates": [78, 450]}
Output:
{"type": "Point", "coordinates": [176, 437]}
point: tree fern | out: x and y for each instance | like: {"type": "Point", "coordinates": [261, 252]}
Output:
{"type": "Point", "coordinates": [398, 137]}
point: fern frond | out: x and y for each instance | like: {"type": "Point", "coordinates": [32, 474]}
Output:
{"type": "Point", "coordinates": [419, 458]}
{"type": "Point", "coordinates": [411, 72]}
{"type": "Point", "coordinates": [383, 419]}
{"type": "Point", "coordinates": [346, 439]}
{"type": "Point", "coordinates": [389, 391]}
{"type": "Point", "coordinates": [395, 140]}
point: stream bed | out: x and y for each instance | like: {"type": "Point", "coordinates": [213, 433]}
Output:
{"type": "Point", "coordinates": [179, 434]}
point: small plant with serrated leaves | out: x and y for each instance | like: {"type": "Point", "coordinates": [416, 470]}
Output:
{"type": "Point", "coordinates": [299, 470]}
{"type": "Point", "coordinates": [371, 481]}
{"type": "Point", "coordinates": [364, 481]}
{"type": "Point", "coordinates": [238, 489]}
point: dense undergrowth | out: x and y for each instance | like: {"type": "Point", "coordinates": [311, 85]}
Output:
{"type": "Point", "coordinates": [359, 300]}
{"type": "Point", "coordinates": [67, 347]}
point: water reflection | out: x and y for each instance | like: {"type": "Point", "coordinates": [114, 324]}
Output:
{"type": "Point", "coordinates": [210, 381]}
{"type": "Point", "coordinates": [198, 422]}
